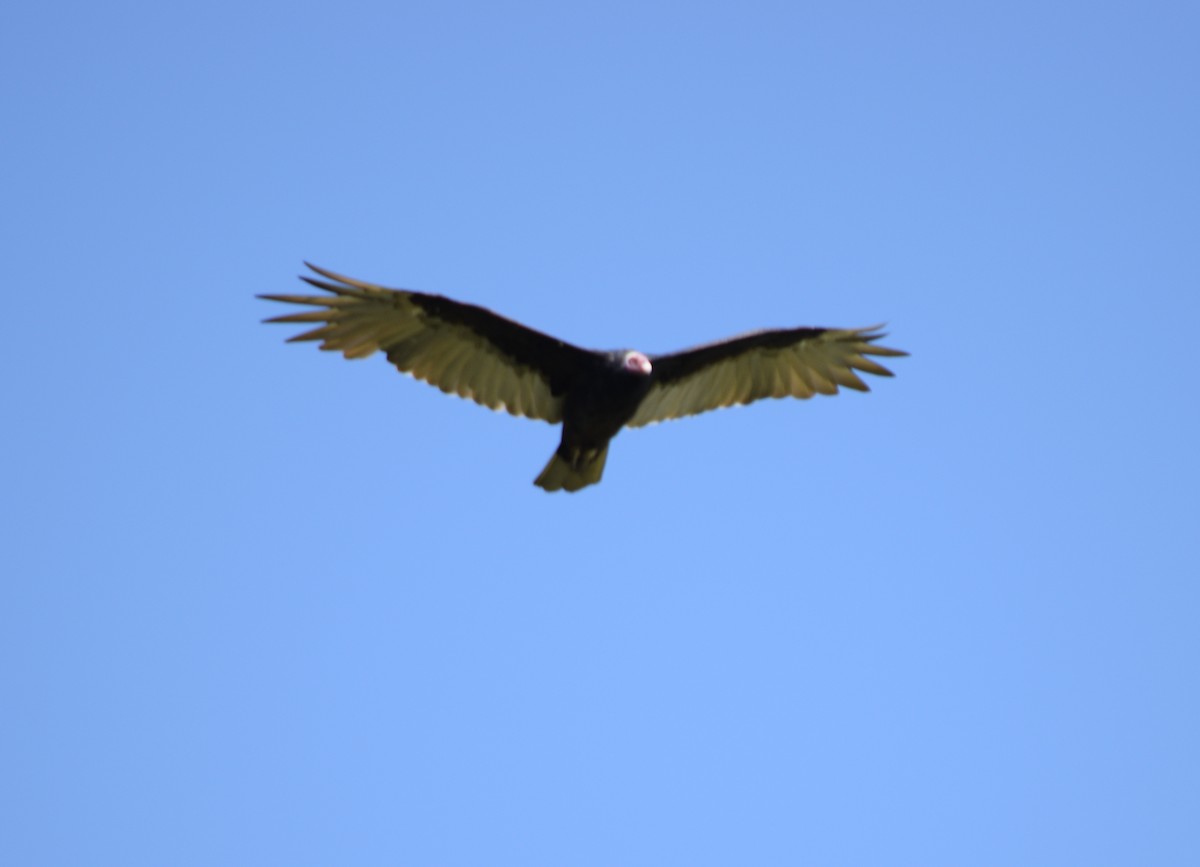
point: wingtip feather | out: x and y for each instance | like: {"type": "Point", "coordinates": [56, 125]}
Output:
{"type": "Point", "coordinates": [347, 282]}
{"type": "Point", "coordinates": [872, 333]}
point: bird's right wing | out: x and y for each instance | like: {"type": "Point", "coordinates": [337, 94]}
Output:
{"type": "Point", "coordinates": [460, 348]}
{"type": "Point", "coordinates": [797, 362]}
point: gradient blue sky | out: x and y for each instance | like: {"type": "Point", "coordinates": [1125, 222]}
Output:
{"type": "Point", "coordinates": [264, 606]}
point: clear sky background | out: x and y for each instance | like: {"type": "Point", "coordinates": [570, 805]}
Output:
{"type": "Point", "coordinates": [263, 606]}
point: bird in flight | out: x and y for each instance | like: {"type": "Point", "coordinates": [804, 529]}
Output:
{"type": "Point", "coordinates": [472, 352]}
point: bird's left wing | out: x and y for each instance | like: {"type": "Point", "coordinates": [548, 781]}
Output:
{"type": "Point", "coordinates": [797, 362]}
{"type": "Point", "coordinates": [460, 348]}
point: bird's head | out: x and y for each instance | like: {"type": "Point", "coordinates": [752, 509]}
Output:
{"type": "Point", "coordinates": [633, 361]}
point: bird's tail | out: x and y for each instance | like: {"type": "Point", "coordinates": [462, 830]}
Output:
{"type": "Point", "coordinates": [564, 474]}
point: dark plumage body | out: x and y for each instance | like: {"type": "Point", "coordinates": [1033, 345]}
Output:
{"type": "Point", "coordinates": [470, 351]}
{"type": "Point", "coordinates": [597, 404]}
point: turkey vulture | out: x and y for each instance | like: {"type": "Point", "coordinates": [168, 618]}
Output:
{"type": "Point", "coordinates": [472, 352]}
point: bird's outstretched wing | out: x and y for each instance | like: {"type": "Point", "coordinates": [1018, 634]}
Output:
{"type": "Point", "coordinates": [460, 348]}
{"type": "Point", "coordinates": [797, 362]}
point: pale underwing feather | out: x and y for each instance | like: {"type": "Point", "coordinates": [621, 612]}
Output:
{"type": "Point", "coordinates": [359, 319]}
{"type": "Point", "coordinates": [760, 366]}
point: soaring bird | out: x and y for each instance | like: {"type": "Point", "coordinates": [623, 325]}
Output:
{"type": "Point", "coordinates": [475, 353]}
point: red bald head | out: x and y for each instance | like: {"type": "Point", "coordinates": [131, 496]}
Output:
{"type": "Point", "coordinates": [636, 362]}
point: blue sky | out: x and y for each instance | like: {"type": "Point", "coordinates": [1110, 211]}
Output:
{"type": "Point", "coordinates": [266, 606]}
